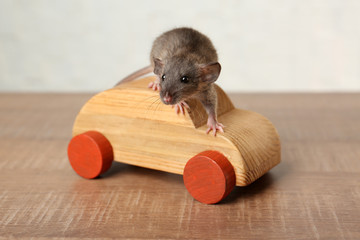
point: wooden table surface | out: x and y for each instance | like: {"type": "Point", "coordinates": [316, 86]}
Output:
{"type": "Point", "coordinates": [313, 194]}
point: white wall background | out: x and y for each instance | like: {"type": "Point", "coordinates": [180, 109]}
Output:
{"type": "Point", "coordinates": [88, 45]}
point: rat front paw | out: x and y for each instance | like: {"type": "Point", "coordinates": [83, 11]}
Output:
{"type": "Point", "coordinates": [214, 126]}
{"type": "Point", "coordinates": [180, 107]}
{"type": "Point", "coordinates": [154, 85]}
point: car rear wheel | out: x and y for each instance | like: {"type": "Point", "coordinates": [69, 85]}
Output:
{"type": "Point", "coordinates": [209, 177]}
{"type": "Point", "coordinates": [90, 154]}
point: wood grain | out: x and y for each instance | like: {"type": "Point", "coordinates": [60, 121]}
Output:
{"type": "Point", "coordinates": [313, 194]}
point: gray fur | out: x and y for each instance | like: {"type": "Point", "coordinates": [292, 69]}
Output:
{"type": "Point", "coordinates": [186, 52]}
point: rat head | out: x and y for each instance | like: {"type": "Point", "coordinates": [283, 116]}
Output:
{"type": "Point", "coordinates": [181, 78]}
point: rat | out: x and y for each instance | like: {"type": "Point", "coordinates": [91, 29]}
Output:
{"type": "Point", "coordinates": [186, 65]}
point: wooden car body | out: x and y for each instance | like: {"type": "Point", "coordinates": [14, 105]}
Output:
{"type": "Point", "coordinates": [145, 132]}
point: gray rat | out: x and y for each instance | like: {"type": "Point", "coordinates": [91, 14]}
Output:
{"type": "Point", "coordinates": [186, 65]}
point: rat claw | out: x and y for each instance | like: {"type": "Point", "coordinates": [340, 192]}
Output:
{"type": "Point", "coordinates": [211, 129]}
{"type": "Point", "coordinates": [180, 107]}
{"type": "Point", "coordinates": [220, 128]}
{"type": "Point", "coordinates": [215, 126]}
{"type": "Point", "coordinates": [176, 108]}
{"type": "Point", "coordinates": [185, 104]}
{"type": "Point", "coordinates": [182, 110]}
{"type": "Point", "coordinates": [154, 85]}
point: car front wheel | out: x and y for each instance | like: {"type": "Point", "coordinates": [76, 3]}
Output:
{"type": "Point", "coordinates": [209, 177]}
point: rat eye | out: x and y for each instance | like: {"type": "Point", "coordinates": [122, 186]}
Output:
{"type": "Point", "coordinates": [163, 77]}
{"type": "Point", "coordinates": [184, 79]}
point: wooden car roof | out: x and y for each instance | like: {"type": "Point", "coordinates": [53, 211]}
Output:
{"type": "Point", "coordinates": [141, 102]}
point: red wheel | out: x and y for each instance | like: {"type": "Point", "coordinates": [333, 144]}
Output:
{"type": "Point", "coordinates": [209, 177]}
{"type": "Point", "coordinates": [90, 154]}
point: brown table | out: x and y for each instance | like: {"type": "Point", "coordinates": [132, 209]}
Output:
{"type": "Point", "coordinates": [313, 194]}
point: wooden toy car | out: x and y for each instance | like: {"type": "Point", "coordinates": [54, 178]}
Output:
{"type": "Point", "coordinates": [129, 124]}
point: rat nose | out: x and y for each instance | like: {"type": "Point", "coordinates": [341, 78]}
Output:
{"type": "Point", "coordinates": [167, 98]}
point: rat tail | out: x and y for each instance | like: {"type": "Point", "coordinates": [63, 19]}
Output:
{"type": "Point", "coordinates": [137, 74]}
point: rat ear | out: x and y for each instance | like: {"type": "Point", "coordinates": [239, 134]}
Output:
{"type": "Point", "coordinates": [158, 66]}
{"type": "Point", "coordinates": [210, 72]}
